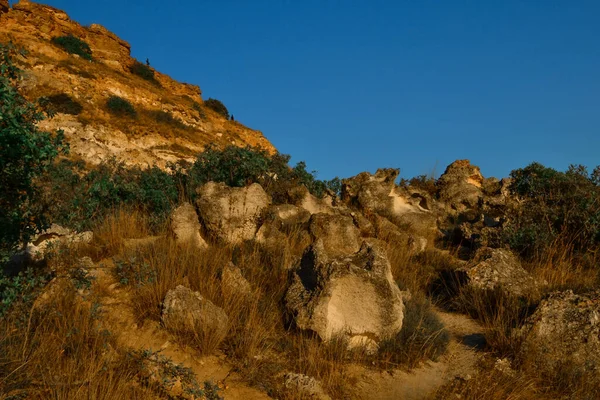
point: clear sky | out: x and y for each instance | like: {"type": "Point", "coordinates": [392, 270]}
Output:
{"type": "Point", "coordinates": [350, 85]}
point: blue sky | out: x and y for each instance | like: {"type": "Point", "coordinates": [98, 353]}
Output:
{"type": "Point", "coordinates": [350, 85]}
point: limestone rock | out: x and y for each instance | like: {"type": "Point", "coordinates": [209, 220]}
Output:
{"type": "Point", "coordinates": [353, 295]}
{"type": "Point", "coordinates": [303, 198]}
{"type": "Point", "coordinates": [499, 268]}
{"type": "Point", "coordinates": [187, 311]}
{"type": "Point", "coordinates": [370, 192]}
{"type": "Point", "coordinates": [52, 237]}
{"type": "Point", "coordinates": [185, 226]}
{"type": "Point", "coordinates": [460, 186]}
{"type": "Point", "coordinates": [233, 282]}
{"type": "Point", "coordinates": [231, 214]}
{"type": "Point", "coordinates": [337, 232]}
{"type": "Point", "coordinates": [564, 331]}
{"type": "Point", "coordinates": [306, 386]}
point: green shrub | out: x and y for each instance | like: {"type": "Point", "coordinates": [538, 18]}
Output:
{"type": "Point", "coordinates": [74, 45]}
{"type": "Point", "coordinates": [143, 71]}
{"type": "Point", "coordinates": [120, 107]}
{"type": "Point", "coordinates": [25, 154]}
{"type": "Point", "coordinates": [555, 206]}
{"type": "Point", "coordinates": [134, 272]}
{"type": "Point", "coordinates": [79, 199]}
{"type": "Point", "coordinates": [217, 106]}
{"type": "Point", "coordinates": [241, 166]}
{"type": "Point", "coordinates": [21, 289]}
{"type": "Point", "coordinates": [63, 103]}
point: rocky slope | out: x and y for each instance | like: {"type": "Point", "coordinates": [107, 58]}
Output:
{"type": "Point", "coordinates": [94, 134]}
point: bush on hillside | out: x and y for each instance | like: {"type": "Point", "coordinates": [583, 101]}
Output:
{"type": "Point", "coordinates": [80, 201]}
{"type": "Point", "coordinates": [143, 71]}
{"type": "Point", "coordinates": [556, 206]}
{"type": "Point", "coordinates": [25, 154]}
{"type": "Point", "coordinates": [217, 106]}
{"type": "Point", "coordinates": [120, 107]}
{"type": "Point", "coordinates": [63, 103]}
{"type": "Point", "coordinates": [240, 166]}
{"type": "Point", "coordinates": [74, 45]}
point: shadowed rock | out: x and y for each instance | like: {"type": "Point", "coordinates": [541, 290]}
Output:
{"type": "Point", "coordinates": [185, 226]}
{"type": "Point", "coordinates": [564, 331]}
{"type": "Point", "coordinates": [354, 296]}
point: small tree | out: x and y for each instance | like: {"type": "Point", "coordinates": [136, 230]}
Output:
{"type": "Point", "coordinates": [25, 153]}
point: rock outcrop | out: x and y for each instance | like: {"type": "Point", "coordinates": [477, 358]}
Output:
{"type": "Point", "coordinates": [185, 226]}
{"type": "Point", "coordinates": [231, 214]}
{"type": "Point", "coordinates": [564, 332]}
{"type": "Point", "coordinates": [460, 185]}
{"type": "Point", "coordinates": [233, 283]}
{"type": "Point", "coordinates": [187, 311]}
{"type": "Point", "coordinates": [500, 269]}
{"type": "Point", "coordinates": [353, 295]}
{"type": "Point", "coordinates": [4, 7]}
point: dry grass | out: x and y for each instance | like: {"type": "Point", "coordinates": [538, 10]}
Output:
{"type": "Point", "coordinates": [111, 233]}
{"type": "Point", "coordinates": [60, 351]}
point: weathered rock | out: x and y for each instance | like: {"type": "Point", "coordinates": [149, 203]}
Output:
{"type": "Point", "coordinates": [370, 192]}
{"type": "Point", "coordinates": [338, 233]}
{"type": "Point", "coordinates": [185, 226]}
{"type": "Point", "coordinates": [54, 236]}
{"type": "Point", "coordinates": [500, 269]}
{"type": "Point", "coordinates": [287, 215]}
{"type": "Point", "coordinates": [305, 386]}
{"type": "Point", "coordinates": [460, 185]}
{"type": "Point", "coordinates": [303, 198]}
{"type": "Point", "coordinates": [233, 283]}
{"type": "Point", "coordinates": [564, 331]}
{"type": "Point", "coordinates": [4, 7]}
{"type": "Point", "coordinates": [231, 214]}
{"type": "Point", "coordinates": [354, 295]}
{"type": "Point", "coordinates": [187, 311]}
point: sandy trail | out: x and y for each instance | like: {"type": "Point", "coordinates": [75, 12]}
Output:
{"type": "Point", "coordinates": [421, 383]}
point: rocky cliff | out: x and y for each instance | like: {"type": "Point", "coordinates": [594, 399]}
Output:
{"type": "Point", "coordinates": [171, 122]}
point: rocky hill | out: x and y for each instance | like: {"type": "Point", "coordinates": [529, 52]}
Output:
{"type": "Point", "coordinates": [171, 122]}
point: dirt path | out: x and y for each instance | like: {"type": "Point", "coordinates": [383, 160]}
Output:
{"type": "Point", "coordinates": [120, 319]}
{"type": "Point", "coordinates": [421, 383]}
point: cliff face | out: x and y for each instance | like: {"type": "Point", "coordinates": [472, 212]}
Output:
{"type": "Point", "coordinates": [171, 123]}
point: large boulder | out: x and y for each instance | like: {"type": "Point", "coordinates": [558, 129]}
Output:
{"type": "Point", "coordinates": [185, 226]}
{"type": "Point", "coordinates": [353, 295]}
{"type": "Point", "coordinates": [231, 214]}
{"type": "Point", "coordinates": [187, 311]}
{"type": "Point", "coordinates": [564, 332]}
{"type": "Point", "coordinates": [500, 269]}
{"type": "Point", "coordinates": [460, 186]}
{"type": "Point", "coordinates": [338, 233]}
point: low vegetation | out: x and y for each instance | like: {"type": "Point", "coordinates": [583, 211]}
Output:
{"type": "Point", "coordinates": [63, 103]}
{"type": "Point", "coordinates": [74, 45]}
{"type": "Point", "coordinates": [144, 72]}
{"type": "Point", "coordinates": [120, 107]}
{"type": "Point", "coordinates": [217, 106]}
